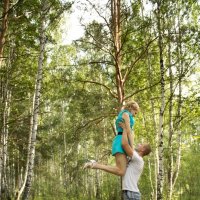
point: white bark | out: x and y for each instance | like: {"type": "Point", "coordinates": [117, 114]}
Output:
{"type": "Point", "coordinates": [31, 153]}
{"type": "Point", "coordinates": [153, 116]}
{"type": "Point", "coordinates": [6, 101]}
{"type": "Point", "coordinates": [156, 138]}
{"type": "Point", "coordinates": [162, 107]}
{"type": "Point", "coordinates": [170, 161]}
{"type": "Point", "coordinates": [65, 149]}
{"type": "Point", "coordinates": [150, 178]}
{"type": "Point", "coordinates": [19, 193]}
{"type": "Point", "coordinates": [180, 73]}
{"type": "Point", "coordinates": [4, 95]}
{"type": "Point", "coordinates": [4, 143]}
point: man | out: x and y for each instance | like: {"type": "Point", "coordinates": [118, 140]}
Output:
{"type": "Point", "coordinates": [134, 168]}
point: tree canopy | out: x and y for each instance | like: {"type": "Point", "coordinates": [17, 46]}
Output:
{"type": "Point", "coordinates": [59, 101]}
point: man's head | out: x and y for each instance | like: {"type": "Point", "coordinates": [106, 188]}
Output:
{"type": "Point", "coordinates": [143, 149]}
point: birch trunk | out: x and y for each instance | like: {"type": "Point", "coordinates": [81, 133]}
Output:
{"type": "Point", "coordinates": [65, 149]}
{"type": "Point", "coordinates": [6, 102]}
{"type": "Point", "coordinates": [97, 188]}
{"type": "Point", "coordinates": [153, 116]}
{"type": "Point", "coordinates": [31, 154]}
{"type": "Point", "coordinates": [162, 107]}
{"type": "Point", "coordinates": [22, 186]}
{"type": "Point", "coordinates": [180, 74]}
{"type": "Point", "coordinates": [170, 162]}
{"type": "Point", "coordinates": [150, 179]}
{"type": "Point", "coordinates": [4, 143]}
{"type": "Point", "coordinates": [4, 26]}
{"type": "Point", "coordinates": [149, 161]}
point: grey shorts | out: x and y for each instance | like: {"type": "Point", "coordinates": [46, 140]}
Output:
{"type": "Point", "coordinates": [129, 195]}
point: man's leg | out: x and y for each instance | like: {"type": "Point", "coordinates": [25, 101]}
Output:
{"type": "Point", "coordinates": [129, 195]}
{"type": "Point", "coordinates": [125, 196]}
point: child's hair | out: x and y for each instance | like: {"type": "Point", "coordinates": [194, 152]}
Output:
{"type": "Point", "coordinates": [131, 105]}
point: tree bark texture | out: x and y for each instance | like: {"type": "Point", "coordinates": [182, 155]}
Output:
{"type": "Point", "coordinates": [180, 74]}
{"type": "Point", "coordinates": [4, 27]}
{"type": "Point", "coordinates": [170, 160]}
{"type": "Point", "coordinates": [31, 155]}
{"type": "Point", "coordinates": [116, 27]}
{"type": "Point", "coordinates": [22, 185]}
{"type": "Point", "coordinates": [4, 100]}
{"type": "Point", "coordinates": [162, 107]}
{"type": "Point", "coordinates": [4, 144]}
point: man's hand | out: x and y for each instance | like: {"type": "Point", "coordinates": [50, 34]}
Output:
{"type": "Point", "coordinates": [122, 125]}
{"type": "Point", "coordinates": [125, 140]}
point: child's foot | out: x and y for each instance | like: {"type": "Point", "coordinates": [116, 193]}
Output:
{"type": "Point", "coordinates": [89, 164]}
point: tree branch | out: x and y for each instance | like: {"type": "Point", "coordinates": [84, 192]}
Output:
{"type": "Point", "coordinates": [98, 44]}
{"type": "Point", "coordinates": [82, 64]}
{"type": "Point", "coordinates": [10, 9]}
{"type": "Point", "coordinates": [137, 59]}
{"type": "Point", "coordinates": [100, 15]}
{"type": "Point", "coordinates": [98, 119]}
{"type": "Point", "coordinates": [140, 90]}
{"type": "Point", "coordinates": [106, 87]}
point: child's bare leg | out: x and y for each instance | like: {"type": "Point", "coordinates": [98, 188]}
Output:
{"type": "Point", "coordinates": [119, 169]}
{"type": "Point", "coordinates": [125, 144]}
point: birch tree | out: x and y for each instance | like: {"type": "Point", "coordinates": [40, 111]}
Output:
{"type": "Point", "coordinates": [179, 109]}
{"type": "Point", "coordinates": [5, 96]}
{"type": "Point", "coordinates": [36, 104]}
{"type": "Point", "coordinates": [160, 177]}
{"type": "Point", "coordinates": [171, 131]}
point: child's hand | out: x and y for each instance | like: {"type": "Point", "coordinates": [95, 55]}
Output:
{"type": "Point", "coordinates": [122, 125]}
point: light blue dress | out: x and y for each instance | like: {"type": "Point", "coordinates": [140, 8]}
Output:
{"type": "Point", "coordinates": [117, 142]}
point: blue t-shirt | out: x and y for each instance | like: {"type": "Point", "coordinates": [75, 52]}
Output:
{"type": "Point", "coordinates": [120, 119]}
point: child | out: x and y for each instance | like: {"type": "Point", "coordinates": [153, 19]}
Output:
{"type": "Point", "coordinates": [126, 115]}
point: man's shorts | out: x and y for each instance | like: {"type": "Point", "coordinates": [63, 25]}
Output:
{"type": "Point", "coordinates": [129, 195]}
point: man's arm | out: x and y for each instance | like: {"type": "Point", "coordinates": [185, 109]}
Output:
{"type": "Point", "coordinates": [125, 144]}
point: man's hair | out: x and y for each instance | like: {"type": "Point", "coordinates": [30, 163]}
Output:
{"type": "Point", "coordinates": [147, 150]}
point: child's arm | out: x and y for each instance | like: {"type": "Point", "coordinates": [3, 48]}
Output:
{"type": "Point", "coordinates": [126, 118]}
{"type": "Point", "coordinates": [125, 144]}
